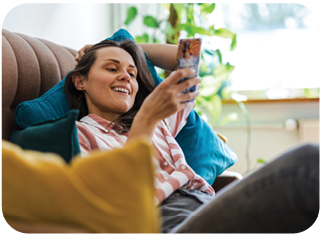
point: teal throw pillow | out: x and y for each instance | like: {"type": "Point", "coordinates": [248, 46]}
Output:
{"type": "Point", "coordinates": [58, 136]}
{"type": "Point", "coordinates": [51, 105]}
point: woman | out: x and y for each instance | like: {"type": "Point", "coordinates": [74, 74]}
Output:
{"type": "Point", "coordinates": [115, 93]}
{"type": "Point", "coordinates": [113, 90]}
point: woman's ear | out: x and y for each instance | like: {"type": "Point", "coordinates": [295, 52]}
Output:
{"type": "Point", "coordinates": [78, 81]}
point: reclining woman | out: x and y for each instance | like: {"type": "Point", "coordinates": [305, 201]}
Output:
{"type": "Point", "coordinates": [112, 88]}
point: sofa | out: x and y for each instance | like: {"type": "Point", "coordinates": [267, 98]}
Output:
{"type": "Point", "coordinates": [30, 67]}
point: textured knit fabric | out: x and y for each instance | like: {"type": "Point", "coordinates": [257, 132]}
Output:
{"type": "Point", "coordinates": [171, 169]}
{"type": "Point", "coordinates": [41, 189]}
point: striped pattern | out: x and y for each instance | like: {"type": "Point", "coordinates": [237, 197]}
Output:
{"type": "Point", "coordinates": [171, 169]}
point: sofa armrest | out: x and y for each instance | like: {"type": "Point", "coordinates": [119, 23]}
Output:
{"type": "Point", "coordinates": [226, 178]}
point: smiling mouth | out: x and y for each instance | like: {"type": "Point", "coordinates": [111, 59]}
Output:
{"type": "Point", "coordinates": [120, 89]}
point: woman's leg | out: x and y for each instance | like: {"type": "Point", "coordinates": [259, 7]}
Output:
{"type": "Point", "coordinates": [282, 196]}
{"type": "Point", "coordinates": [178, 206]}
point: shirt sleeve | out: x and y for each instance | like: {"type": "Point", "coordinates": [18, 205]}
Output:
{"type": "Point", "coordinates": [177, 121]}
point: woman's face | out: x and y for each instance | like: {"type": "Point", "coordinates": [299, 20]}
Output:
{"type": "Point", "coordinates": [111, 86]}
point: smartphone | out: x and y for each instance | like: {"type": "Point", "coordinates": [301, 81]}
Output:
{"type": "Point", "coordinates": [188, 56]}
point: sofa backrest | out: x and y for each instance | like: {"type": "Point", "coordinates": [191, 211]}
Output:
{"type": "Point", "coordinates": [30, 67]}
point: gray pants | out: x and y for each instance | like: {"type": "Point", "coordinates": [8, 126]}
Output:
{"type": "Point", "coordinates": [281, 197]}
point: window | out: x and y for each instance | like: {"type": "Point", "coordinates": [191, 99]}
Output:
{"type": "Point", "coordinates": [278, 49]}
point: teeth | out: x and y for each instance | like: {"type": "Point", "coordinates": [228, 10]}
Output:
{"type": "Point", "coordinates": [121, 89]}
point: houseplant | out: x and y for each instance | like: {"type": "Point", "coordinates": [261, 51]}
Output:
{"type": "Point", "coordinates": [190, 20]}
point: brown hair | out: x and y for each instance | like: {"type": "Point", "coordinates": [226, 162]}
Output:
{"type": "Point", "coordinates": [76, 98]}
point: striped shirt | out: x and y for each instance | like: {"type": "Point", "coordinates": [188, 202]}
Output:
{"type": "Point", "coordinates": [171, 169]}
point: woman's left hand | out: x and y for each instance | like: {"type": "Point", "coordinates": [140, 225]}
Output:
{"type": "Point", "coordinates": [82, 51]}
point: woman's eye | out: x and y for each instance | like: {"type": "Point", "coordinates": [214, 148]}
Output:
{"type": "Point", "coordinates": [111, 69]}
{"type": "Point", "coordinates": [132, 75]}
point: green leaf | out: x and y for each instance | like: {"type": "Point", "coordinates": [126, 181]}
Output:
{"type": "Point", "coordinates": [207, 8]}
{"type": "Point", "coordinates": [219, 54]}
{"type": "Point", "coordinates": [200, 30]}
{"type": "Point", "coordinates": [190, 14]}
{"type": "Point", "coordinates": [150, 21]}
{"type": "Point", "coordinates": [203, 66]}
{"type": "Point", "coordinates": [146, 37]}
{"type": "Point", "coordinates": [155, 40]}
{"type": "Point", "coordinates": [210, 52]}
{"type": "Point", "coordinates": [222, 71]}
{"type": "Point", "coordinates": [224, 33]}
{"type": "Point", "coordinates": [185, 27]}
{"type": "Point", "coordinates": [180, 9]}
{"type": "Point", "coordinates": [192, 29]}
{"type": "Point", "coordinates": [139, 39]}
{"type": "Point", "coordinates": [211, 29]}
{"type": "Point", "coordinates": [131, 15]}
{"type": "Point", "coordinates": [202, 55]}
{"type": "Point", "coordinates": [230, 67]}
{"type": "Point", "coordinates": [233, 43]}
{"type": "Point", "coordinates": [198, 110]}
{"type": "Point", "coordinates": [209, 86]}
{"type": "Point", "coordinates": [227, 92]}
{"type": "Point", "coordinates": [261, 160]}
{"type": "Point", "coordinates": [308, 93]}
{"type": "Point", "coordinates": [199, 102]}
{"type": "Point", "coordinates": [232, 117]}
{"type": "Point", "coordinates": [214, 106]}
{"type": "Point", "coordinates": [142, 39]}
{"type": "Point", "coordinates": [165, 6]}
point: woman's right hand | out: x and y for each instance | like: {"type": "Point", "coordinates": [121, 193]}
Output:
{"type": "Point", "coordinates": [82, 51]}
{"type": "Point", "coordinates": [167, 98]}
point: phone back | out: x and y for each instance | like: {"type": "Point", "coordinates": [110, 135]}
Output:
{"type": "Point", "coordinates": [188, 56]}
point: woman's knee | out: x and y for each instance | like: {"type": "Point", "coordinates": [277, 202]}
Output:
{"type": "Point", "coordinates": [306, 155]}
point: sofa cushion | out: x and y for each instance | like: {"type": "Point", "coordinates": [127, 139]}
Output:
{"type": "Point", "coordinates": [205, 152]}
{"type": "Point", "coordinates": [107, 192]}
{"type": "Point", "coordinates": [57, 136]}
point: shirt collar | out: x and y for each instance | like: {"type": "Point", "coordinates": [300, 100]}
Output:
{"type": "Point", "coordinates": [97, 121]}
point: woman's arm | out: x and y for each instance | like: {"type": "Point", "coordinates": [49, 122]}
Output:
{"type": "Point", "coordinates": [161, 55]}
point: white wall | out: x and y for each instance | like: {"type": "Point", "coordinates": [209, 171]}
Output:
{"type": "Point", "coordinates": [72, 25]}
{"type": "Point", "coordinates": [136, 27]}
{"type": "Point", "coordinates": [269, 138]}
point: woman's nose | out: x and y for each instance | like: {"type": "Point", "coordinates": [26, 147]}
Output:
{"type": "Point", "coordinates": [124, 76]}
